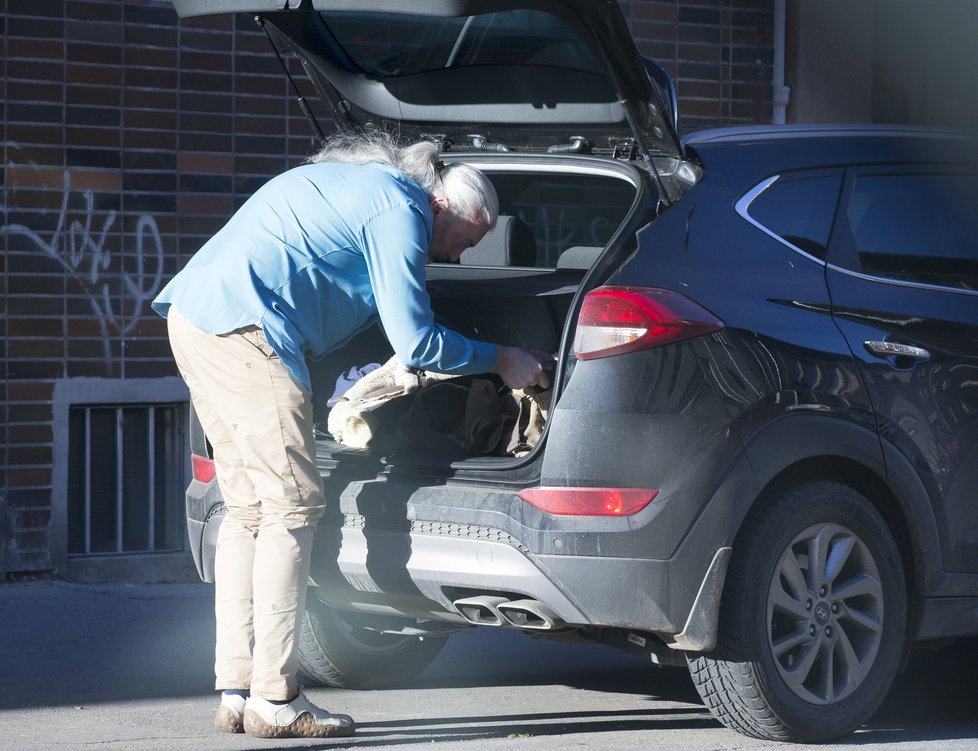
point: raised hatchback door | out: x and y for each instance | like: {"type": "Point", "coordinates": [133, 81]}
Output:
{"type": "Point", "coordinates": [490, 74]}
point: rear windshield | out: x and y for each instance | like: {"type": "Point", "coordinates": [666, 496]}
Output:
{"type": "Point", "coordinates": [383, 44]}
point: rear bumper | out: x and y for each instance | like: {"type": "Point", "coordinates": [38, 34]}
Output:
{"type": "Point", "coordinates": [421, 574]}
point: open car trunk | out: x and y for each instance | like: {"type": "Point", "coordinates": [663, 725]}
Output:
{"type": "Point", "coordinates": [559, 234]}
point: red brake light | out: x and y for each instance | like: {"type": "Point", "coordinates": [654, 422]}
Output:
{"type": "Point", "coordinates": [589, 501]}
{"type": "Point", "coordinates": [615, 320]}
{"type": "Point", "coordinates": [202, 468]}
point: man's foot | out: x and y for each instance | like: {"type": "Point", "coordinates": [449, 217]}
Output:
{"type": "Point", "coordinates": [230, 714]}
{"type": "Point", "coordinates": [300, 718]}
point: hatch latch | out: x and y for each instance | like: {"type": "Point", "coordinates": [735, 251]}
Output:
{"type": "Point", "coordinates": [626, 150]}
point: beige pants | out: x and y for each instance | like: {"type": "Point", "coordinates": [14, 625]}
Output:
{"type": "Point", "coordinates": [259, 421]}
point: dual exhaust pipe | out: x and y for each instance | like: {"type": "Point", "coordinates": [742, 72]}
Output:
{"type": "Point", "coordinates": [492, 610]}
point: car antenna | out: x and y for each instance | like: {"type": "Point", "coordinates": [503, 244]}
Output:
{"type": "Point", "coordinates": [303, 105]}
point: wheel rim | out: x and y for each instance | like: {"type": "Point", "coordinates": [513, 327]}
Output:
{"type": "Point", "coordinates": [825, 613]}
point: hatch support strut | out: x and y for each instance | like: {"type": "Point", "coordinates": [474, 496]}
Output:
{"type": "Point", "coordinates": [303, 105]}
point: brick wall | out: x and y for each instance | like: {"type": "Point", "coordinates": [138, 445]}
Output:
{"type": "Point", "coordinates": [719, 52]}
{"type": "Point", "coordinates": [129, 137]}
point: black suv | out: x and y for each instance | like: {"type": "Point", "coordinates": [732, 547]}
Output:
{"type": "Point", "coordinates": [761, 453]}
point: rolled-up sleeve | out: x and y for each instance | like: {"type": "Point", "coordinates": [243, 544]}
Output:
{"type": "Point", "coordinates": [395, 247]}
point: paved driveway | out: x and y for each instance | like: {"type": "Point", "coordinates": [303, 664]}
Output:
{"type": "Point", "coordinates": [129, 667]}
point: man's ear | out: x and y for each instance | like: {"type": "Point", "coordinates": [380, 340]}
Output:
{"type": "Point", "coordinates": [438, 204]}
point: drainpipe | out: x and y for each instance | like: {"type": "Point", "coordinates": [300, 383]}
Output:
{"type": "Point", "coordinates": [781, 92]}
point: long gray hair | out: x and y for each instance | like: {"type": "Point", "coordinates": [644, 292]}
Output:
{"type": "Point", "coordinates": [469, 193]}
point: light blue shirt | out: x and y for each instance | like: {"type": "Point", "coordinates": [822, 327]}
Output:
{"type": "Point", "coordinates": [313, 257]}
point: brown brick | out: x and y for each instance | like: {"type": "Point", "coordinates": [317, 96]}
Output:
{"type": "Point", "coordinates": [93, 53]}
{"type": "Point", "coordinates": [30, 434]}
{"type": "Point", "coordinates": [152, 78]}
{"type": "Point", "coordinates": [85, 95]}
{"type": "Point", "coordinates": [151, 36]}
{"type": "Point", "coordinates": [205, 204]}
{"type": "Point", "coordinates": [206, 81]}
{"type": "Point", "coordinates": [166, 225]}
{"type": "Point", "coordinates": [700, 89]}
{"type": "Point", "coordinates": [155, 99]}
{"type": "Point", "coordinates": [93, 11]}
{"type": "Point", "coordinates": [99, 180]}
{"type": "Point", "coordinates": [204, 162]}
{"type": "Point", "coordinates": [97, 75]}
{"type": "Point", "coordinates": [25, 176]}
{"type": "Point", "coordinates": [86, 348]}
{"type": "Point", "coordinates": [148, 139]}
{"type": "Point", "coordinates": [22, 349]}
{"type": "Point", "coordinates": [81, 327]}
{"type": "Point", "coordinates": [20, 305]}
{"type": "Point", "coordinates": [35, 369]}
{"type": "Point", "coordinates": [149, 57]}
{"type": "Point", "coordinates": [29, 413]}
{"type": "Point", "coordinates": [92, 137]}
{"type": "Point", "coordinates": [97, 33]}
{"type": "Point", "coordinates": [699, 52]}
{"type": "Point", "coordinates": [29, 456]}
{"type": "Point", "coordinates": [51, 49]}
{"type": "Point", "coordinates": [33, 133]}
{"type": "Point", "coordinates": [202, 227]}
{"type": "Point", "coordinates": [260, 164]}
{"type": "Point", "coordinates": [28, 327]}
{"type": "Point", "coordinates": [30, 392]}
{"type": "Point", "coordinates": [655, 11]}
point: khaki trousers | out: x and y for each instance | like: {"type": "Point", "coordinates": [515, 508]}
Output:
{"type": "Point", "coordinates": [258, 420]}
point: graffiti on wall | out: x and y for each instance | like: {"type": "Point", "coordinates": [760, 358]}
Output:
{"type": "Point", "coordinates": [80, 244]}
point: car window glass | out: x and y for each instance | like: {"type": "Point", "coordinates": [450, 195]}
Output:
{"type": "Point", "coordinates": [916, 227]}
{"type": "Point", "coordinates": [564, 211]}
{"type": "Point", "coordinates": [800, 209]}
{"type": "Point", "coordinates": [397, 45]}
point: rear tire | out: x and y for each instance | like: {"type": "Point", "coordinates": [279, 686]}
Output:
{"type": "Point", "coordinates": [338, 649]}
{"type": "Point", "coordinates": [813, 618]}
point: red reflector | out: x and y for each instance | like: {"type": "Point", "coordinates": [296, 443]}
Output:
{"type": "Point", "coordinates": [202, 468]}
{"type": "Point", "coordinates": [615, 320]}
{"type": "Point", "coordinates": [590, 501]}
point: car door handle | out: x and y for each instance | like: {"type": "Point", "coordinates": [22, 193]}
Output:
{"type": "Point", "coordinates": [895, 349]}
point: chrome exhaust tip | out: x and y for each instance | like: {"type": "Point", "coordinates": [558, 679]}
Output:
{"type": "Point", "coordinates": [529, 614]}
{"type": "Point", "coordinates": [482, 610]}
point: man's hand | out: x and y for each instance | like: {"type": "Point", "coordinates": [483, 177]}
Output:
{"type": "Point", "coordinates": [520, 368]}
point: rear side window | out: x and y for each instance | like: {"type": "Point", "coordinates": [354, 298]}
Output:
{"type": "Point", "coordinates": [919, 228]}
{"type": "Point", "coordinates": [799, 209]}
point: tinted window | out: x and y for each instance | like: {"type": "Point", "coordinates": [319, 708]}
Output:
{"type": "Point", "coordinates": [915, 228]}
{"type": "Point", "coordinates": [565, 210]}
{"type": "Point", "coordinates": [799, 209]}
{"type": "Point", "coordinates": [397, 45]}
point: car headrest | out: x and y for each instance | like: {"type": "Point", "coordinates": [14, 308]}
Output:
{"type": "Point", "coordinates": [509, 243]}
{"type": "Point", "coordinates": [579, 257]}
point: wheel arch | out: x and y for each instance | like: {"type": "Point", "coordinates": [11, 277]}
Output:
{"type": "Point", "coordinates": [794, 450]}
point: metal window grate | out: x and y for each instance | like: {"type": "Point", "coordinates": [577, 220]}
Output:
{"type": "Point", "coordinates": [126, 475]}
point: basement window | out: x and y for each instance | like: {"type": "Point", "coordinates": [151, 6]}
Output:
{"type": "Point", "coordinates": [126, 476]}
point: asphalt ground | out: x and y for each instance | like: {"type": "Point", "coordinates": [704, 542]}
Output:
{"type": "Point", "coordinates": [130, 667]}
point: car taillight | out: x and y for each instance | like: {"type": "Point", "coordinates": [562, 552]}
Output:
{"type": "Point", "coordinates": [202, 468]}
{"type": "Point", "coordinates": [589, 501]}
{"type": "Point", "coordinates": [615, 320]}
